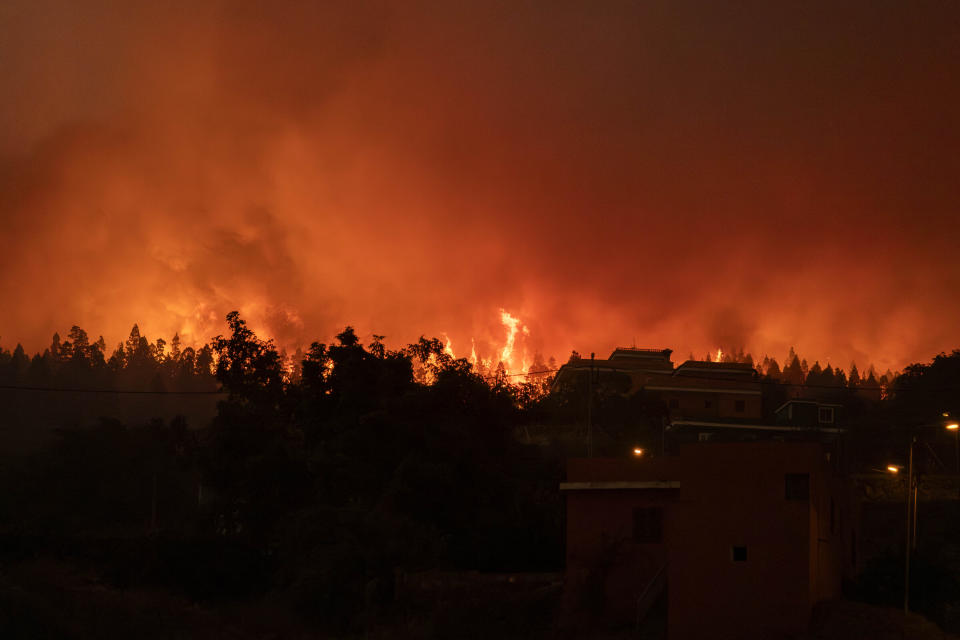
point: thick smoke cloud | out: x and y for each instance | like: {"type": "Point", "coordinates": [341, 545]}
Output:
{"type": "Point", "coordinates": [690, 175]}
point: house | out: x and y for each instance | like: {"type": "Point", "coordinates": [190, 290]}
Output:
{"type": "Point", "coordinates": [705, 401]}
{"type": "Point", "coordinates": [742, 538]}
{"type": "Point", "coordinates": [712, 390]}
{"type": "Point", "coordinates": [626, 369]}
{"type": "Point", "coordinates": [695, 389]}
{"type": "Point", "coordinates": [809, 413]}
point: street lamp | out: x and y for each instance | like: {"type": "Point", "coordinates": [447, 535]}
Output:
{"type": "Point", "coordinates": [911, 485]}
{"type": "Point", "coordinates": [953, 426]}
{"type": "Point", "coordinates": [637, 451]}
{"type": "Point", "coordinates": [910, 540]}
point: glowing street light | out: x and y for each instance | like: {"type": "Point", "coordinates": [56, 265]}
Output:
{"type": "Point", "coordinates": [637, 451]}
{"type": "Point", "coordinates": [912, 486]}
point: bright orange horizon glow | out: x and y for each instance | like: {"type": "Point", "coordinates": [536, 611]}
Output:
{"type": "Point", "coordinates": [414, 172]}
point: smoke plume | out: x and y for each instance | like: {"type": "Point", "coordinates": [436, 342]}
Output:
{"type": "Point", "coordinates": [677, 174]}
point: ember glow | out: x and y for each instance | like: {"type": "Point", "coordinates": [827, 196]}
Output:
{"type": "Point", "coordinates": [688, 175]}
{"type": "Point", "coordinates": [513, 353]}
{"type": "Point", "coordinates": [447, 348]}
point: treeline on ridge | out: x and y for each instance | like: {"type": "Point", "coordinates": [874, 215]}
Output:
{"type": "Point", "coordinates": [319, 489]}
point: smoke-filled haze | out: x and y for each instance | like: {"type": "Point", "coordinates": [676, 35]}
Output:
{"type": "Point", "coordinates": [670, 174]}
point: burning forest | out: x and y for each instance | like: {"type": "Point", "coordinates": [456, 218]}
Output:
{"type": "Point", "coordinates": [477, 319]}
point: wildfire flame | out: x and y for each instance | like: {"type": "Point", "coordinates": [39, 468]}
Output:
{"type": "Point", "coordinates": [512, 355]}
{"type": "Point", "coordinates": [719, 355]}
{"type": "Point", "coordinates": [512, 324]}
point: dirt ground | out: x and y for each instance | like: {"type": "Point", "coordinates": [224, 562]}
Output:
{"type": "Point", "coordinates": [52, 599]}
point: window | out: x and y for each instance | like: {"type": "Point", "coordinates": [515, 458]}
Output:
{"type": "Point", "coordinates": [708, 404]}
{"type": "Point", "coordinates": [826, 415]}
{"type": "Point", "coordinates": [648, 525]}
{"type": "Point", "coordinates": [798, 486]}
{"type": "Point", "coordinates": [738, 554]}
{"type": "Point", "coordinates": [739, 406]}
{"type": "Point", "coordinates": [674, 403]}
{"type": "Point", "coordinates": [704, 437]}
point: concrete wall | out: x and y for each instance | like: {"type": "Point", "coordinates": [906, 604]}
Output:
{"type": "Point", "coordinates": [734, 495]}
{"type": "Point", "coordinates": [692, 405]}
{"type": "Point", "coordinates": [730, 494]}
{"type": "Point", "coordinates": [603, 560]}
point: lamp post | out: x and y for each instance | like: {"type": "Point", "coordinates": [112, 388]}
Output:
{"type": "Point", "coordinates": [910, 534]}
{"type": "Point", "coordinates": [955, 427]}
{"type": "Point", "coordinates": [911, 486]}
{"type": "Point", "coordinates": [590, 410]}
{"type": "Point", "coordinates": [910, 521]}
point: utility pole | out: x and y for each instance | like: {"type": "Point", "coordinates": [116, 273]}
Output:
{"type": "Point", "coordinates": [153, 506]}
{"type": "Point", "coordinates": [590, 409]}
{"type": "Point", "coordinates": [911, 489]}
{"type": "Point", "coordinates": [956, 450]}
{"type": "Point", "coordinates": [916, 487]}
{"type": "Point", "coordinates": [907, 546]}
{"type": "Point", "coordinates": [956, 447]}
{"type": "Point", "coordinates": [663, 436]}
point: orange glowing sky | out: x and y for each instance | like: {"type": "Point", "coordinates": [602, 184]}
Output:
{"type": "Point", "coordinates": [670, 174]}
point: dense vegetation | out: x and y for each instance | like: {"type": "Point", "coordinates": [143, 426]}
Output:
{"type": "Point", "coordinates": [318, 486]}
{"type": "Point", "coordinates": [320, 481]}
{"type": "Point", "coordinates": [79, 363]}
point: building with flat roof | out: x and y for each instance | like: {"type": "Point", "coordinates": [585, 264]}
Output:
{"type": "Point", "coordinates": [742, 539]}
{"type": "Point", "coordinates": [705, 401]}
{"type": "Point", "coordinates": [694, 389]}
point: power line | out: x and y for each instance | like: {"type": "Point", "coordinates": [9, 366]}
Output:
{"type": "Point", "coordinates": [118, 391]}
{"type": "Point", "coordinates": [703, 377]}
{"type": "Point", "coordinates": [759, 380]}
{"type": "Point", "coordinates": [488, 377]}
{"type": "Point", "coordinates": [774, 382]}
{"type": "Point", "coordinates": [513, 375]}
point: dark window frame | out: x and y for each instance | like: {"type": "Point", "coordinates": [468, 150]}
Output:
{"type": "Point", "coordinates": [796, 487]}
{"type": "Point", "coordinates": [648, 525]}
{"type": "Point", "coordinates": [739, 406]}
